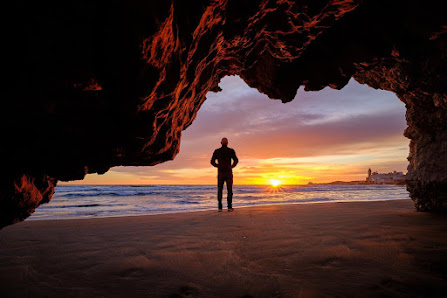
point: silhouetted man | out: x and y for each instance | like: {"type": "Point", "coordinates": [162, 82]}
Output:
{"type": "Point", "coordinates": [224, 166]}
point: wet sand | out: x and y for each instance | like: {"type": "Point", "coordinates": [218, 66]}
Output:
{"type": "Point", "coordinates": [310, 250]}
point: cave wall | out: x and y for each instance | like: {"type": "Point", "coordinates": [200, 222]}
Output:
{"type": "Point", "coordinates": [97, 84]}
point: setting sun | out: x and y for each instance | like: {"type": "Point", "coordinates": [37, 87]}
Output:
{"type": "Point", "coordinates": [274, 182]}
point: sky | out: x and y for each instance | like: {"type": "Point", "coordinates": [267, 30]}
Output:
{"type": "Point", "coordinates": [319, 137]}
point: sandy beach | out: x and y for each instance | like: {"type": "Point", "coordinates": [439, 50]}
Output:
{"type": "Point", "coordinates": [308, 250]}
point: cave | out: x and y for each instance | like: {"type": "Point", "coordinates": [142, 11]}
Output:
{"type": "Point", "coordinates": [92, 85]}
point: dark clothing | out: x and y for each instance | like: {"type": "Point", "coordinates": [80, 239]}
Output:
{"type": "Point", "coordinates": [224, 155]}
{"type": "Point", "coordinates": [228, 178]}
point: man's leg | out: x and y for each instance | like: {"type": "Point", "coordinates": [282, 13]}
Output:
{"type": "Point", "coordinates": [220, 183]}
{"type": "Point", "coordinates": [230, 191]}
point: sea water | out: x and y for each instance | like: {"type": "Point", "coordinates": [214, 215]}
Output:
{"type": "Point", "coordinates": [83, 201]}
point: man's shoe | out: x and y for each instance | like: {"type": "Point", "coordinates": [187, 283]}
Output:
{"type": "Point", "coordinates": [219, 210]}
{"type": "Point", "coordinates": [230, 209]}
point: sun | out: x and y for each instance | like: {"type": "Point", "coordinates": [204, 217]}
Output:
{"type": "Point", "coordinates": [275, 183]}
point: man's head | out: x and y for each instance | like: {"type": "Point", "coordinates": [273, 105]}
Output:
{"type": "Point", "coordinates": [224, 142]}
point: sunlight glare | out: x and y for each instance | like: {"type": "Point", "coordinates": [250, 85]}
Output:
{"type": "Point", "coordinates": [274, 182]}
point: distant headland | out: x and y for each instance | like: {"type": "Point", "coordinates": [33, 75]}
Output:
{"type": "Point", "coordinates": [391, 178]}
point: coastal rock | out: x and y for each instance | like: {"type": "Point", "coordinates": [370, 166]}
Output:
{"type": "Point", "coordinates": [97, 84]}
{"type": "Point", "coordinates": [20, 196]}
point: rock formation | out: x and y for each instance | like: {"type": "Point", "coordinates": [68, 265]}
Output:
{"type": "Point", "coordinates": [96, 84]}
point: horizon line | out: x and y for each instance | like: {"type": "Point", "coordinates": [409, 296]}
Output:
{"type": "Point", "coordinates": [130, 184]}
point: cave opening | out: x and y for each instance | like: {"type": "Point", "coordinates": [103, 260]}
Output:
{"type": "Point", "coordinates": [316, 139]}
{"type": "Point", "coordinates": [319, 137]}
{"type": "Point", "coordinates": [96, 93]}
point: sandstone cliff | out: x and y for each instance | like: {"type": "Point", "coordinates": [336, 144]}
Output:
{"type": "Point", "coordinates": [97, 84]}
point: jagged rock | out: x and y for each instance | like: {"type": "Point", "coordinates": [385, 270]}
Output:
{"type": "Point", "coordinates": [21, 195]}
{"type": "Point", "coordinates": [97, 84]}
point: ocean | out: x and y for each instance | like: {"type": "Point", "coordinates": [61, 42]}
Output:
{"type": "Point", "coordinates": [89, 201]}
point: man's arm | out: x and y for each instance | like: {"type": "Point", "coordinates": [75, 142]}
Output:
{"type": "Point", "coordinates": [235, 159]}
{"type": "Point", "coordinates": [213, 160]}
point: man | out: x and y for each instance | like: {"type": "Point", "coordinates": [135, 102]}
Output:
{"type": "Point", "coordinates": [224, 166]}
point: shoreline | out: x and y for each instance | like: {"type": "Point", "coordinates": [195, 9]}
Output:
{"type": "Point", "coordinates": [211, 209]}
{"type": "Point", "coordinates": [383, 248]}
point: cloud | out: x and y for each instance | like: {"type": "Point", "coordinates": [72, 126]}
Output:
{"type": "Point", "coordinates": [316, 121]}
